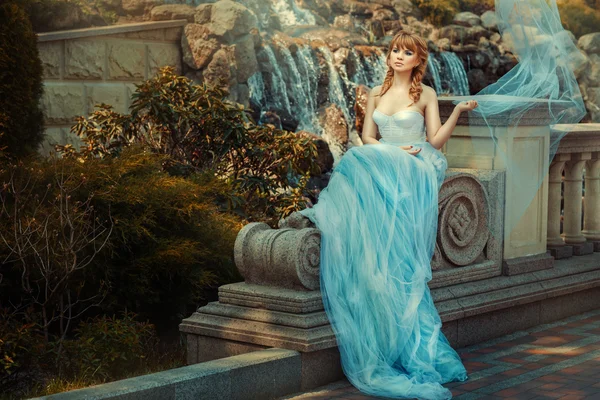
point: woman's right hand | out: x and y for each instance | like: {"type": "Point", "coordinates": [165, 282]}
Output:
{"type": "Point", "coordinates": [411, 150]}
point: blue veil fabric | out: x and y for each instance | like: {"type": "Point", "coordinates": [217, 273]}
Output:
{"type": "Point", "coordinates": [378, 222]}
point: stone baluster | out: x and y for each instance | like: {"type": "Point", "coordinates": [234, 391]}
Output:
{"type": "Point", "coordinates": [572, 205]}
{"type": "Point", "coordinates": [591, 222]}
{"type": "Point", "coordinates": [555, 243]}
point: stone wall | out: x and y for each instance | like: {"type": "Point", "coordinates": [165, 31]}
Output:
{"type": "Point", "coordinates": [85, 67]}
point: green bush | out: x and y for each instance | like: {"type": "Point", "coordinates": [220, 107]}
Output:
{"type": "Point", "coordinates": [266, 169]}
{"type": "Point", "coordinates": [438, 12]}
{"type": "Point", "coordinates": [21, 119]}
{"type": "Point", "coordinates": [579, 16]}
{"type": "Point", "coordinates": [108, 348]}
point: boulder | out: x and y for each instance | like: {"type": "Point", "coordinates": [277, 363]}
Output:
{"type": "Point", "coordinates": [456, 33]}
{"type": "Point", "coordinates": [592, 73]}
{"type": "Point", "coordinates": [221, 69]}
{"type": "Point", "coordinates": [405, 8]}
{"type": "Point", "coordinates": [198, 46]}
{"type": "Point", "coordinates": [489, 20]}
{"type": "Point", "coordinates": [335, 128]}
{"type": "Point", "coordinates": [139, 7]}
{"type": "Point", "coordinates": [477, 80]}
{"type": "Point", "coordinates": [467, 19]}
{"type": "Point", "coordinates": [226, 19]}
{"type": "Point", "coordinates": [579, 63]}
{"type": "Point", "coordinates": [168, 12]}
{"type": "Point", "coordinates": [346, 22]}
{"type": "Point", "coordinates": [384, 14]}
{"type": "Point", "coordinates": [590, 43]}
{"type": "Point", "coordinates": [324, 156]}
{"type": "Point", "coordinates": [245, 58]}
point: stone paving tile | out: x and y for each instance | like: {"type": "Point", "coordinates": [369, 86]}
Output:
{"type": "Point", "coordinates": [560, 360]}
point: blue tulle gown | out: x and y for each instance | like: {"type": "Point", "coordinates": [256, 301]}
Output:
{"type": "Point", "coordinates": [378, 220]}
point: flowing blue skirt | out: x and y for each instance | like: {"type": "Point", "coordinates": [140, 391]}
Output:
{"type": "Point", "coordinates": [378, 220]}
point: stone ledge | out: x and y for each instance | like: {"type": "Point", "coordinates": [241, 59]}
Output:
{"type": "Point", "coordinates": [264, 374]}
{"type": "Point", "coordinates": [109, 30]}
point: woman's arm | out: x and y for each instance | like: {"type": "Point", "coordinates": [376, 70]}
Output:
{"type": "Point", "coordinates": [369, 132]}
{"type": "Point", "coordinates": [438, 134]}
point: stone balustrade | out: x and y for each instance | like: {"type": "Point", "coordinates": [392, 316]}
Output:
{"type": "Point", "coordinates": [578, 159]}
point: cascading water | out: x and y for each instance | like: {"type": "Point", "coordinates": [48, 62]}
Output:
{"type": "Point", "coordinates": [308, 72]}
{"type": "Point", "coordinates": [434, 68]}
{"type": "Point", "coordinates": [290, 14]}
{"type": "Point", "coordinates": [455, 73]}
{"type": "Point", "coordinates": [278, 96]}
{"type": "Point", "coordinates": [256, 87]}
{"type": "Point", "coordinates": [303, 104]}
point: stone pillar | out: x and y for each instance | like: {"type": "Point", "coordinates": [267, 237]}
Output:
{"type": "Point", "coordinates": [591, 222]}
{"type": "Point", "coordinates": [555, 243]}
{"type": "Point", "coordinates": [572, 204]}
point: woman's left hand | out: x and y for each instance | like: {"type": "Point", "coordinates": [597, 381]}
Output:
{"type": "Point", "coordinates": [467, 105]}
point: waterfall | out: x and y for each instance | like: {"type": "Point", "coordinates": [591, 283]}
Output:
{"type": "Point", "coordinates": [290, 14]}
{"type": "Point", "coordinates": [434, 67]}
{"type": "Point", "coordinates": [256, 86]}
{"type": "Point", "coordinates": [278, 97]}
{"type": "Point", "coordinates": [308, 72]}
{"type": "Point", "coordinates": [302, 102]}
{"type": "Point", "coordinates": [456, 75]}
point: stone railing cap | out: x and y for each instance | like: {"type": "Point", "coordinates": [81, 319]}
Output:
{"type": "Point", "coordinates": [537, 115]}
{"type": "Point", "coordinates": [109, 30]}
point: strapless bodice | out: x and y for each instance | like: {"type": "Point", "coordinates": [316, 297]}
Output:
{"type": "Point", "coordinates": [403, 127]}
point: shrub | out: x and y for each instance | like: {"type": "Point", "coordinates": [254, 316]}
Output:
{"type": "Point", "coordinates": [108, 348]}
{"type": "Point", "coordinates": [267, 169]}
{"type": "Point", "coordinates": [438, 12]}
{"type": "Point", "coordinates": [580, 16]}
{"type": "Point", "coordinates": [21, 120]}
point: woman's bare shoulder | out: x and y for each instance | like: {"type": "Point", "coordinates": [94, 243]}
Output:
{"type": "Point", "coordinates": [428, 91]}
{"type": "Point", "coordinates": [375, 90]}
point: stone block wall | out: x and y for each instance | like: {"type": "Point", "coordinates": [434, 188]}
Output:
{"type": "Point", "coordinates": [85, 67]}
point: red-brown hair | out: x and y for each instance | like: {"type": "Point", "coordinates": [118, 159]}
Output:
{"type": "Point", "coordinates": [408, 41]}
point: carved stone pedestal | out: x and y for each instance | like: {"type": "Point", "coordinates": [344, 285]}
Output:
{"type": "Point", "coordinates": [560, 252]}
{"type": "Point", "coordinates": [582, 249]}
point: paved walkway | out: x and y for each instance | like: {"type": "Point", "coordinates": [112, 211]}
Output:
{"type": "Point", "coordinates": [560, 360]}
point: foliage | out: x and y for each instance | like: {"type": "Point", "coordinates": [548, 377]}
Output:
{"type": "Point", "coordinates": [21, 119]}
{"type": "Point", "coordinates": [438, 12]}
{"type": "Point", "coordinates": [580, 16]}
{"type": "Point", "coordinates": [50, 238]}
{"type": "Point", "coordinates": [108, 348]}
{"type": "Point", "coordinates": [20, 349]}
{"type": "Point", "coordinates": [266, 168]}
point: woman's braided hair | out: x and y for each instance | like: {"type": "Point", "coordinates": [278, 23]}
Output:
{"type": "Point", "coordinates": [408, 41]}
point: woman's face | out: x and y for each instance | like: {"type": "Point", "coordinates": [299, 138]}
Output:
{"type": "Point", "coordinates": [402, 59]}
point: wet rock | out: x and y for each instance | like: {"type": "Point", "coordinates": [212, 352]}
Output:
{"type": "Point", "coordinates": [346, 22]}
{"type": "Point", "coordinates": [168, 12]}
{"type": "Point", "coordinates": [467, 19]}
{"type": "Point", "coordinates": [477, 80]}
{"type": "Point", "coordinates": [456, 33]}
{"type": "Point", "coordinates": [360, 107]}
{"type": "Point", "coordinates": [405, 8]}
{"type": "Point", "coordinates": [391, 27]}
{"type": "Point", "coordinates": [335, 128]}
{"type": "Point", "coordinates": [384, 14]}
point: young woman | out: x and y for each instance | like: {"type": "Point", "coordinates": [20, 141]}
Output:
{"type": "Point", "coordinates": [378, 219]}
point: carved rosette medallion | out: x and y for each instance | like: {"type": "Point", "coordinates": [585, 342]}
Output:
{"type": "Point", "coordinates": [462, 222]}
